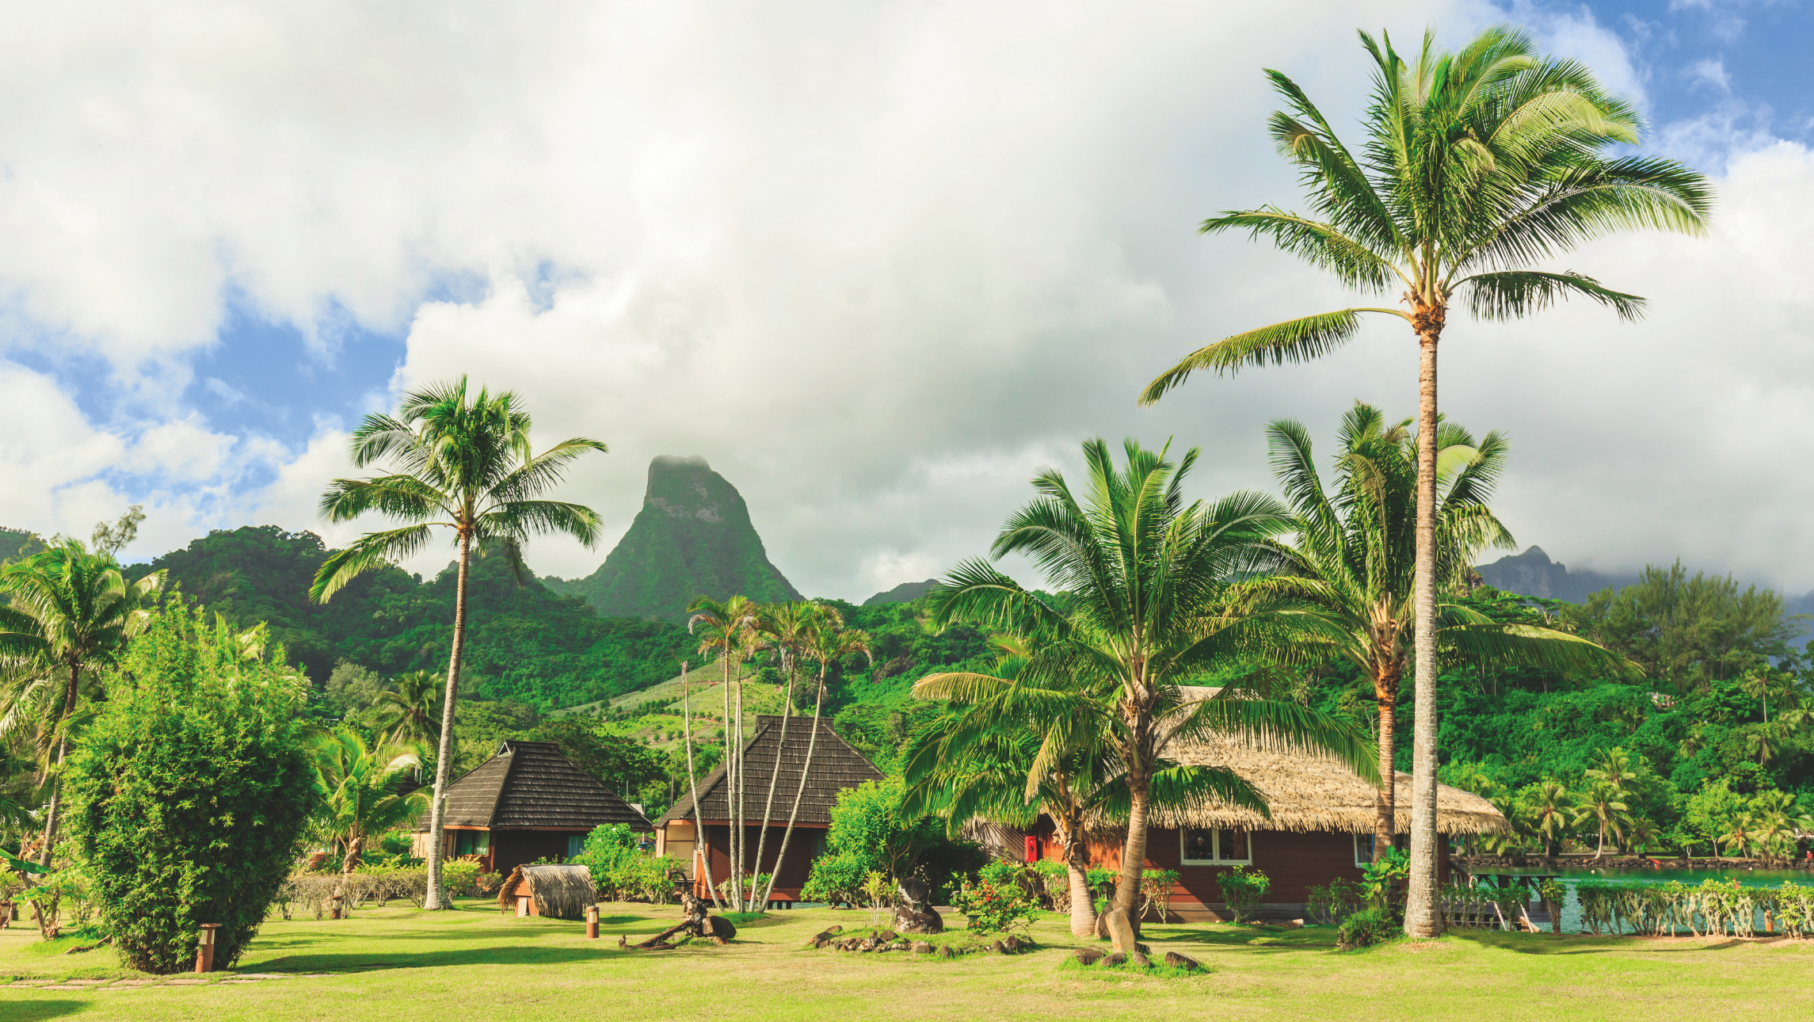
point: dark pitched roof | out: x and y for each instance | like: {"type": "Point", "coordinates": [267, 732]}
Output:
{"type": "Point", "coordinates": [530, 784]}
{"type": "Point", "coordinates": [835, 766]}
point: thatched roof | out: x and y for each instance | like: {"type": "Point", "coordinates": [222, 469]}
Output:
{"type": "Point", "coordinates": [1315, 793]}
{"type": "Point", "coordinates": [530, 784]}
{"type": "Point", "coordinates": [560, 892]}
{"type": "Point", "coordinates": [836, 766]}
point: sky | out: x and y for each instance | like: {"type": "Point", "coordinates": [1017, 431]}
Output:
{"type": "Point", "coordinates": [879, 263]}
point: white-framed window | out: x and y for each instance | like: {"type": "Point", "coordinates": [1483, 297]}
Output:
{"type": "Point", "coordinates": [1363, 850]}
{"type": "Point", "coordinates": [1214, 847]}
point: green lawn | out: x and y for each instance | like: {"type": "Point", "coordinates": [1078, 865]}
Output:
{"type": "Point", "coordinates": [399, 964]}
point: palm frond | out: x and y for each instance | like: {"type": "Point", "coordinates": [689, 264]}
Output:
{"type": "Point", "coordinates": [1514, 294]}
{"type": "Point", "coordinates": [1295, 340]}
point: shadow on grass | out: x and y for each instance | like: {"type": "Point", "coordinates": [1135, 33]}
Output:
{"type": "Point", "coordinates": [1582, 944]}
{"type": "Point", "coordinates": [37, 1011]}
{"type": "Point", "coordinates": [504, 954]}
{"type": "Point", "coordinates": [1322, 938]}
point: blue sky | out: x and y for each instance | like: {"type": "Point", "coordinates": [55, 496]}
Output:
{"type": "Point", "coordinates": [877, 263]}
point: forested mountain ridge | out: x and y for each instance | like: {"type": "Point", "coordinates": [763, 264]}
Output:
{"type": "Point", "coordinates": [1532, 573]}
{"type": "Point", "coordinates": [523, 642]}
{"type": "Point", "coordinates": [693, 537]}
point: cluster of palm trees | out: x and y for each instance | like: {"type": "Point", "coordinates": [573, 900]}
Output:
{"type": "Point", "coordinates": [731, 631]}
{"type": "Point", "coordinates": [1479, 167]}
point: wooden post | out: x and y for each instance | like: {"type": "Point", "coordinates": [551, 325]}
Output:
{"type": "Point", "coordinates": [334, 907]}
{"type": "Point", "coordinates": [592, 922]}
{"type": "Point", "coordinates": [204, 951]}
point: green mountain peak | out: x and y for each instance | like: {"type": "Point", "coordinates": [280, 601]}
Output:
{"type": "Point", "coordinates": [693, 537]}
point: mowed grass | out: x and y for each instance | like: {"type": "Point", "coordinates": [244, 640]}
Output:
{"type": "Point", "coordinates": [399, 964]}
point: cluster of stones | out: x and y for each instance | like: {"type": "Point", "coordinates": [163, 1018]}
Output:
{"type": "Point", "coordinates": [1115, 925]}
{"type": "Point", "coordinates": [883, 941]}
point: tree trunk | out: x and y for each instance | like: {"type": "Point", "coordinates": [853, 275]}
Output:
{"type": "Point", "coordinates": [812, 741]}
{"type": "Point", "coordinates": [1422, 915]}
{"type": "Point", "coordinates": [51, 814]}
{"type": "Point", "coordinates": [1083, 904]}
{"type": "Point", "coordinates": [1133, 853]}
{"type": "Point", "coordinates": [734, 893]}
{"type": "Point", "coordinates": [435, 897]}
{"type": "Point", "coordinates": [1385, 690]}
{"type": "Point", "coordinates": [768, 806]}
{"type": "Point", "coordinates": [700, 848]}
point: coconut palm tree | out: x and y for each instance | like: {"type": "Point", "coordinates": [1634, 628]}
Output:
{"type": "Point", "coordinates": [1479, 167]}
{"type": "Point", "coordinates": [69, 614]}
{"type": "Point", "coordinates": [990, 758]}
{"type": "Point", "coordinates": [783, 627]}
{"type": "Point", "coordinates": [1149, 579]}
{"type": "Point", "coordinates": [405, 713]}
{"type": "Point", "coordinates": [1353, 556]}
{"type": "Point", "coordinates": [358, 791]}
{"type": "Point", "coordinates": [463, 463]}
{"type": "Point", "coordinates": [1550, 815]}
{"type": "Point", "coordinates": [825, 640]}
{"type": "Point", "coordinates": [727, 630]}
{"type": "Point", "coordinates": [1603, 805]}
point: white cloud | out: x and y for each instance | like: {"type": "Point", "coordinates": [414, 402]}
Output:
{"type": "Point", "coordinates": [878, 263]}
{"type": "Point", "coordinates": [1711, 73]}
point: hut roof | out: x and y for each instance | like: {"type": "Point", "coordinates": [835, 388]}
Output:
{"type": "Point", "coordinates": [530, 784]}
{"type": "Point", "coordinates": [835, 766]}
{"type": "Point", "coordinates": [560, 892]}
{"type": "Point", "coordinates": [1314, 793]}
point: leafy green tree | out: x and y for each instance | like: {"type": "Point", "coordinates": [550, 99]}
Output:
{"type": "Point", "coordinates": [1549, 807]}
{"type": "Point", "coordinates": [192, 790]}
{"type": "Point", "coordinates": [68, 615]}
{"type": "Point", "coordinates": [618, 762]}
{"type": "Point", "coordinates": [406, 712]}
{"type": "Point", "coordinates": [462, 463]}
{"type": "Point", "coordinates": [872, 831]}
{"type": "Point", "coordinates": [1479, 166]}
{"type": "Point", "coordinates": [1354, 556]}
{"type": "Point", "coordinates": [1689, 631]}
{"type": "Point", "coordinates": [359, 796]}
{"type": "Point", "coordinates": [1149, 580]}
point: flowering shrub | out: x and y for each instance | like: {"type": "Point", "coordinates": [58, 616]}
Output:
{"type": "Point", "coordinates": [1003, 895]}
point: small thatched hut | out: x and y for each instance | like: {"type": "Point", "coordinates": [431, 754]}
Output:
{"type": "Point", "coordinates": [1321, 827]}
{"type": "Point", "coordinates": [558, 892]}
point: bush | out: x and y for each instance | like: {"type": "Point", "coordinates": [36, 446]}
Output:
{"type": "Point", "coordinates": [1242, 891]}
{"type": "Point", "coordinates": [190, 792]}
{"type": "Point", "coordinates": [621, 871]}
{"type": "Point", "coordinates": [1003, 895]}
{"type": "Point", "coordinates": [1365, 929]}
{"type": "Point", "coordinates": [837, 879]}
{"type": "Point", "coordinates": [1335, 902]}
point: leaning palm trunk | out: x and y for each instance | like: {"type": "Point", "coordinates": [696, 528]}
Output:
{"type": "Point", "coordinates": [51, 813]}
{"type": "Point", "coordinates": [1386, 691]}
{"type": "Point", "coordinates": [700, 848]}
{"type": "Point", "coordinates": [768, 806]}
{"type": "Point", "coordinates": [1133, 853]}
{"type": "Point", "coordinates": [812, 742]}
{"type": "Point", "coordinates": [734, 894]}
{"type": "Point", "coordinates": [1423, 917]}
{"type": "Point", "coordinates": [436, 895]}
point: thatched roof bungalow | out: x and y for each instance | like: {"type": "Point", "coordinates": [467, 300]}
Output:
{"type": "Point", "coordinates": [835, 767]}
{"type": "Point", "coordinates": [558, 892]}
{"type": "Point", "coordinates": [1321, 827]}
{"type": "Point", "coordinates": [527, 802]}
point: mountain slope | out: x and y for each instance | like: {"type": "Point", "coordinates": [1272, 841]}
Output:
{"type": "Point", "coordinates": [1532, 573]}
{"type": "Point", "coordinates": [693, 537]}
{"type": "Point", "coordinates": [906, 592]}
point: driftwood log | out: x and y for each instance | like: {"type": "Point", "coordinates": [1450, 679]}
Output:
{"type": "Point", "coordinates": [695, 922]}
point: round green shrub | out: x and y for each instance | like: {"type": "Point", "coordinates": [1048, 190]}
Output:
{"type": "Point", "coordinates": [190, 791]}
{"type": "Point", "coordinates": [1365, 929]}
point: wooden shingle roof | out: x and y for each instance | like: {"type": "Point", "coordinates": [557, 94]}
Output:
{"type": "Point", "coordinates": [530, 784]}
{"type": "Point", "coordinates": [835, 766]}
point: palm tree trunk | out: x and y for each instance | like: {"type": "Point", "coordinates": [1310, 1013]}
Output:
{"type": "Point", "coordinates": [700, 848]}
{"type": "Point", "coordinates": [1077, 865]}
{"type": "Point", "coordinates": [1133, 852]}
{"type": "Point", "coordinates": [742, 791]}
{"type": "Point", "coordinates": [51, 813]}
{"type": "Point", "coordinates": [734, 894]}
{"type": "Point", "coordinates": [774, 778]}
{"type": "Point", "coordinates": [811, 742]}
{"type": "Point", "coordinates": [436, 896]}
{"type": "Point", "coordinates": [1422, 918]}
{"type": "Point", "coordinates": [1386, 825]}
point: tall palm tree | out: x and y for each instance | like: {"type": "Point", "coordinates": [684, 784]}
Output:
{"type": "Point", "coordinates": [70, 613]}
{"type": "Point", "coordinates": [727, 630]}
{"type": "Point", "coordinates": [1149, 580]}
{"type": "Point", "coordinates": [785, 628]}
{"type": "Point", "coordinates": [1354, 555]}
{"type": "Point", "coordinates": [462, 463]}
{"type": "Point", "coordinates": [825, 640]}
{"type": "Point", "coordinates": [1479, 167]}
{"type": "Point", "coordinates": [1550, 815]}
{"type": "Point", "coordinates": [1604, 806]}
{"type": "Point", "coordinates": [990, 758]}
{"type": "Point", "coordinates": [359, 791]}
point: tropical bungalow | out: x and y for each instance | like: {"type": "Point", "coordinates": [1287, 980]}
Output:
{"type": "Point", "coordinates": [527, 802]}
{"type": "Point", "coordinates": [835, 767]}
{"type": "Point", "coordinates": [1322, 827]}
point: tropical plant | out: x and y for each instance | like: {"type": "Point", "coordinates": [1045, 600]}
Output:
{"type": "Point", "coordinates": [462, 463]}
{"type": "Point", "coordinates": [1148, 577]}
{"type": "Point", "coordinates": [1242, 891]}
{"type": "Point", "coordinates": [1479, 166]}
{"type": "Point", "coordinates": [359, 796]}
{"type": "Point", "coordinates": [405, 713]}
{"type": "Point", "coordinates": [1550, 809]}
{"type": "Point", "coordinates": [68, 614]}
{"type": "Point", "coordinates": [1603, 805]}
{"type": "Point", "coordinates": [191, 791]}
{"type": "Point", "coordinates": [1354, 557]}
{"type": "Point", "coordinates": [727, 631]}
{"type": "Point", "coordinates": [825, 639]}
